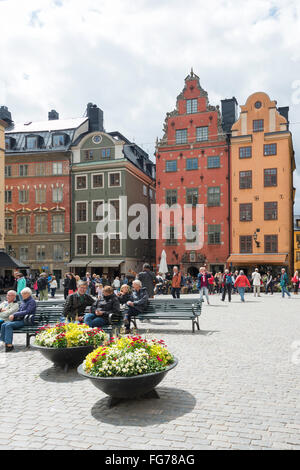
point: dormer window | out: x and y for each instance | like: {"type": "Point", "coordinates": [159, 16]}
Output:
{"type": "Point", "coordinates": [58, 140]}
{"type": "Point", "coordinates": [31, 142]}
{"type": "Point", "coordinates": [10, 143]}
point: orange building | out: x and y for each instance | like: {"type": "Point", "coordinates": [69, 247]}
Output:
{"type": "Point", "coordinates": [262, 194]}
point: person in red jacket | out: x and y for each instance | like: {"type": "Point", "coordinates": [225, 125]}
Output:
{"type": "Point", "coordinates": [241, 283]}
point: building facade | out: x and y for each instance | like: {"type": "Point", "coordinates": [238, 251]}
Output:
{"type": "Point", "coordinates": [107, 169]}
{"type": "Point", "coordinates": [262, 165]}
{"type": "Point", "coordinates": [297, 243]}
{"type": "Point", "coordinates": [37, 191]}
{"type": "Point", "coordinates": [192, 168]}
{"type": "Point", "coordinates": [3, 125]}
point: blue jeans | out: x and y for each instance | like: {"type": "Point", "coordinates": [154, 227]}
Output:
{"type": "Point", "coordinates": [242, 293]}
{"type": "Point", "coordinates": [285, 291]}
{"type": "Point", "coordinates": [204, 291]}
{"type": "Point", "coordinates": [94, 321]}
{"type": "Point", "coordinates": [7, 330]}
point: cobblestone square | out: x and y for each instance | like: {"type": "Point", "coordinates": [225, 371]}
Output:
{"type": "Point", "coordinates": [236, 387]}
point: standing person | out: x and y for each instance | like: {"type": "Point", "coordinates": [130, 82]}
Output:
{"type": "Point", "coordinates": [42, 283]}
{"type": "Point", "coordinates": [202, 284]}
{"type": "Point", "coordinates": [227, 285]}
{"type": "Point", "coordinates": [269, 283]}
{"type": "Point", "coordinates": [147, 278]}
{"type": "Point", "coordinates": [21, 284]}
{"type": "Point", "coordinates": [159, 284]}
{"type": "Point", "coordinates": [295, 281]}
{"type": "Point", "coordinates": [66, 284]}
{"type": "Point", "coordinates": [88, 280]}
{"type": "Point", "coordinates": [116, 284]}
{"type": "Point", "coordinates": [211, 285]}
{"type": "Point", "coordinates": [53, 286]}
{"type": "Point", "coordinates": [72, 284]}
{"type": "Point", "coordinates": [176, 283]}
{"type": "Point", "coordinates": [241, 283]}
{"type": "Point", "coordinates": [256, 278]}
{"type": "Point", "coordinates": [36, 289]}
{"type": "Point", "coordinates": [49, 282]}
{"type": "Point", "coordinates": [284, 280]}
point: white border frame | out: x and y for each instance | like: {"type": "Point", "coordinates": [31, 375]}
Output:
{"type": "Point", "coordinates": [92, 243]}
{"type": "Point", "coordinates": [109, 238]}
{"type": "Point", "coordinates": [87, 212]}
{"type": "Point", "coordinates": [86, 235]}
{"type": "Point", "coordinates": [92, 209]}
{"type": "Point", "coordinates": [120, 210]}
{"type": "Point", "coordinates": [92, 179]}
{"type": "Point", "coordinates": [87, 182]}
{"type": "Point", "coordinates": [111, 173]}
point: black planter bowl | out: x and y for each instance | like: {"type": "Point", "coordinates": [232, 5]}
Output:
{"type": "Point", "coordinates": [65, 357]}
{"type": "Point", "coordinates": [119, 388]}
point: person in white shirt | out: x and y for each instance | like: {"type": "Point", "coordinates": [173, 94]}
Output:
{"type": "Point", "coordinates": [116, 284]}
{"type": "Point", "coordinates": [53, 286]}
{"type": "Point", "coordinates": [256, 278]}
{"type": "Point", "coordinates": [9, 306]}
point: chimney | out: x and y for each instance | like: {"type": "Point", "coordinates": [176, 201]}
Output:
{"type": "Point", "coordinates": [5, 115]}
{"type": "Point", "coordinates": [95, 116]}
{"type": "Point", "coordinates": [229, 113]}
{"type": "Point", "coordinates": [284, 111]}
{"type": "Point", "coordinates": [53, 115]}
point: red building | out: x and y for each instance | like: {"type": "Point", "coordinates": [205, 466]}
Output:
{"type": "Point", "coordinates": [192, 168]}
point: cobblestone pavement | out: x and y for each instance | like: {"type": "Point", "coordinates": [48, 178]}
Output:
{"type": "Point", "coordinates": [236, 387]}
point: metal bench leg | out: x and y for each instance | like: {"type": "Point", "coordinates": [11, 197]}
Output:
{"type": "Point", "coordinates": [28, 340]}
{"type": "Point", "coordinates": [134, 323]}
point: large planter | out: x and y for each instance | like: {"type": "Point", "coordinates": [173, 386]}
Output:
{"type": "Point", "coordinates": [65, 357]}
{"type": "Point", "coordinates": [119, 388]}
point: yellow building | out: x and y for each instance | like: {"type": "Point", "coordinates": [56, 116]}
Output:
{"type": "Point", "coordinates": [3, 124]}
{"type": "Point", "coordinates": [262, 194]}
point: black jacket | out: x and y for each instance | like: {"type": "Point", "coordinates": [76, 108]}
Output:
{"type": "Point", "coordinates": [110, 305]}
{"type": "Point", "coordinates": [42, 283]}
{"type": "Point", "coordinates": [148, 279]}
{"type": "Point", "coordinates": [123, 299]}
{"type": "Point", "coordinates": [75, 305]}
{"type": "Point", "coordinates": [140, 299]}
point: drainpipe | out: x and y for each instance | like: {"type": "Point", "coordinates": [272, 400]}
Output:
{"type": "Point", "coordinates": [229, 192]}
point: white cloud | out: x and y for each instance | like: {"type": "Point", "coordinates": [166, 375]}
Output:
{"type": "Point", "coordinates": [131, 56]}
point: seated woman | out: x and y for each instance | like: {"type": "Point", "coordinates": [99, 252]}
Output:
{"type": "Point", "coordinates": [16, 320]}
{"type": "Point", "coordinates": [9, 306]}
{"type": "Point", "coordinates": [124, 295]}
{"type": "Point", "coordinates": [103, 308]}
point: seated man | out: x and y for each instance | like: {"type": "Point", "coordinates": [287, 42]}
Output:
{"type": "Point", "coordinates": [137, 304]}
{"type": "Point", "coordinates": [105, 308]}
{"type": "Point", "coordinates": [16, 320]}
{"type": "Point", "coordinates": [76, 304]}
{"type": "Point", "coordinates": [9, 306]}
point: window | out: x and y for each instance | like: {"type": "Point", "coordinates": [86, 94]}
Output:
{"type": "Point", "coordinates": [213, 162]}
{"type": "Point", "coordinates": [97, 211]}
{"type": "Point", "coordinates": [145, 192]}
{"type": "Point", "coordinates": [271, 211]}
{"type": "Point", "coordinates": [23, 196]}
{"type": "Point", "coordinates": [245, 179]}
{"type": "Point", "coordinates": [150, 193]}
{"type": "Point", "coordinates": [172, 236]}
{"type": "Point", "coordinates": [213, 196]}
{"type": "Point", "coordinates": [114, 244]}
{"type": "Point", "coordinates": [191, 234]}
{"type": "Point", "coordinates": [258, 125]}
{"type": "Point", "coordinates": [214, 234]}
{"type": "Point", "coordinates": [245, 212]}
{"type": "Point", "coordinates": [270, 177]}
{"type": "Point", "coordinates": [201, 134]}
{"type": "Point", "coordinates": [81, 182]}
{"type": "Point", "coordinates": [297, 255]}
{"type": "Point", "coordinates": [23, 170]}
{"type": "Point", "coordinates": [105, 153]}
{"type": "Point", "coordinates": [24, 253]}
{"type": "Point", "coordinates": [171, 165]}
{"type": "Point", "coordinates": [57, 194]}
{"type": "Point", "coordinates": [58, 140]}
{"type": "Point", "coordinates": [192, 164]}
{"type": "Point", "coordinates": [114, 214]}
{"type": "Point", "coordinates": [41, 223]}
{"type": "Point", "coordinates": [8, 224]}
{"type": "Point", "coordinates": [7, 143]}
{"type": "Point", "coordinates": [271, 243]}
{"type": "Point", "coordinates": [81, 244]}
{"type": "Point", "coordinates": [40, 196]}
{"type": "Point", "coordinates": [23, 224]}
{"type": "Point", "coordinates": [270, 149]}
{"type": "Point", "coordinates": [40, 169]}
{"type": "Point", "coordinates": [8, 196]}
{"type": "Point", "coordinates": [7, 171]}
{"type": "Point", "coordinates": [192, 196]}
{"type": "Point", "coordinates": [171, 197]}
{"type": "Point", "coordinates": [58, 223]}
{"type": "Point", "coordinates": [58, 252]}
{"type": "Point", "coordinates": [40, 252]}
{"type": "Point", "coordinates": [97, 181]}
{"type": "Point", "coordinates": [88, 155]}
{"type": "Point", "coordinates": [191, 106]}
{"type": "Point", "coordinates": [246, 244]}
{"type": "Point", "coordinates": [181, 136]}
{"type": "Point", "coordinates": [57, 168]}
{"type": "Point", "coordinates": [245, 152]}
{"type": "Point", "coordinates": [81, 212]}
{"type": "Point", "coordinates": [114, 179]}
{"type": "Point", "coordinates": [98, 245]}
{"type": "Point", "coordinates": [31, 142]}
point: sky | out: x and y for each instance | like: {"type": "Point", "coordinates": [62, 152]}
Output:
{"type": "Point", "coordinates": [130, 57]}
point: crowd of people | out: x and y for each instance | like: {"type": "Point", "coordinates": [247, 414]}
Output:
{"type": "Point", "coordinates": [122, 298]}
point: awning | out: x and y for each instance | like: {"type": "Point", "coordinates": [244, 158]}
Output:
{"type": "Point", "coordinates": [7, 261]}
{"type": "Point", "coordinates": [96, 263]}
{"type": "Point", "coordinates": [258, 258]}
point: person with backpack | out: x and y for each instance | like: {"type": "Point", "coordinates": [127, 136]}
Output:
{"type": "Point", "coordinates": [176, 283]}
{"type": "Point", "coordinates": [284, 280]}
{"type": "Point", "coordinates": [203, 283]}
{"type": "Point", "coordinates": [42, 284]}
{"type": "Point", "coordinates": [227, 285]}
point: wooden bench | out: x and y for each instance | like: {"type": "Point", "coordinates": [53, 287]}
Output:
{"type": "Point", "coordinates": [172, 309]}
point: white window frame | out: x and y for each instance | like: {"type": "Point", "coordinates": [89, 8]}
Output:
{"type": "Point", "coordinates": [58, 189]}
{"type": "Point", "coordinates": [120, 211]}
{"type": "Point", "coordinates": [92, 209]}
{"type": "Point", "coordinates": [87, 214]}
{"type": "Point", "coordinates": [109, 238]}
{"type": "Point", "coordinates": [92, 181]}
{"type": "Point", "coordinates": [113, 173]}
{"type": "Point", "coordinates": [87, 244]}
{"type": "Point", "coordinates": [87, 183]}
{"type": "Point", "coordinates": [55, 165]}
{"type": "Point", "coordinates": [96, 254]}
